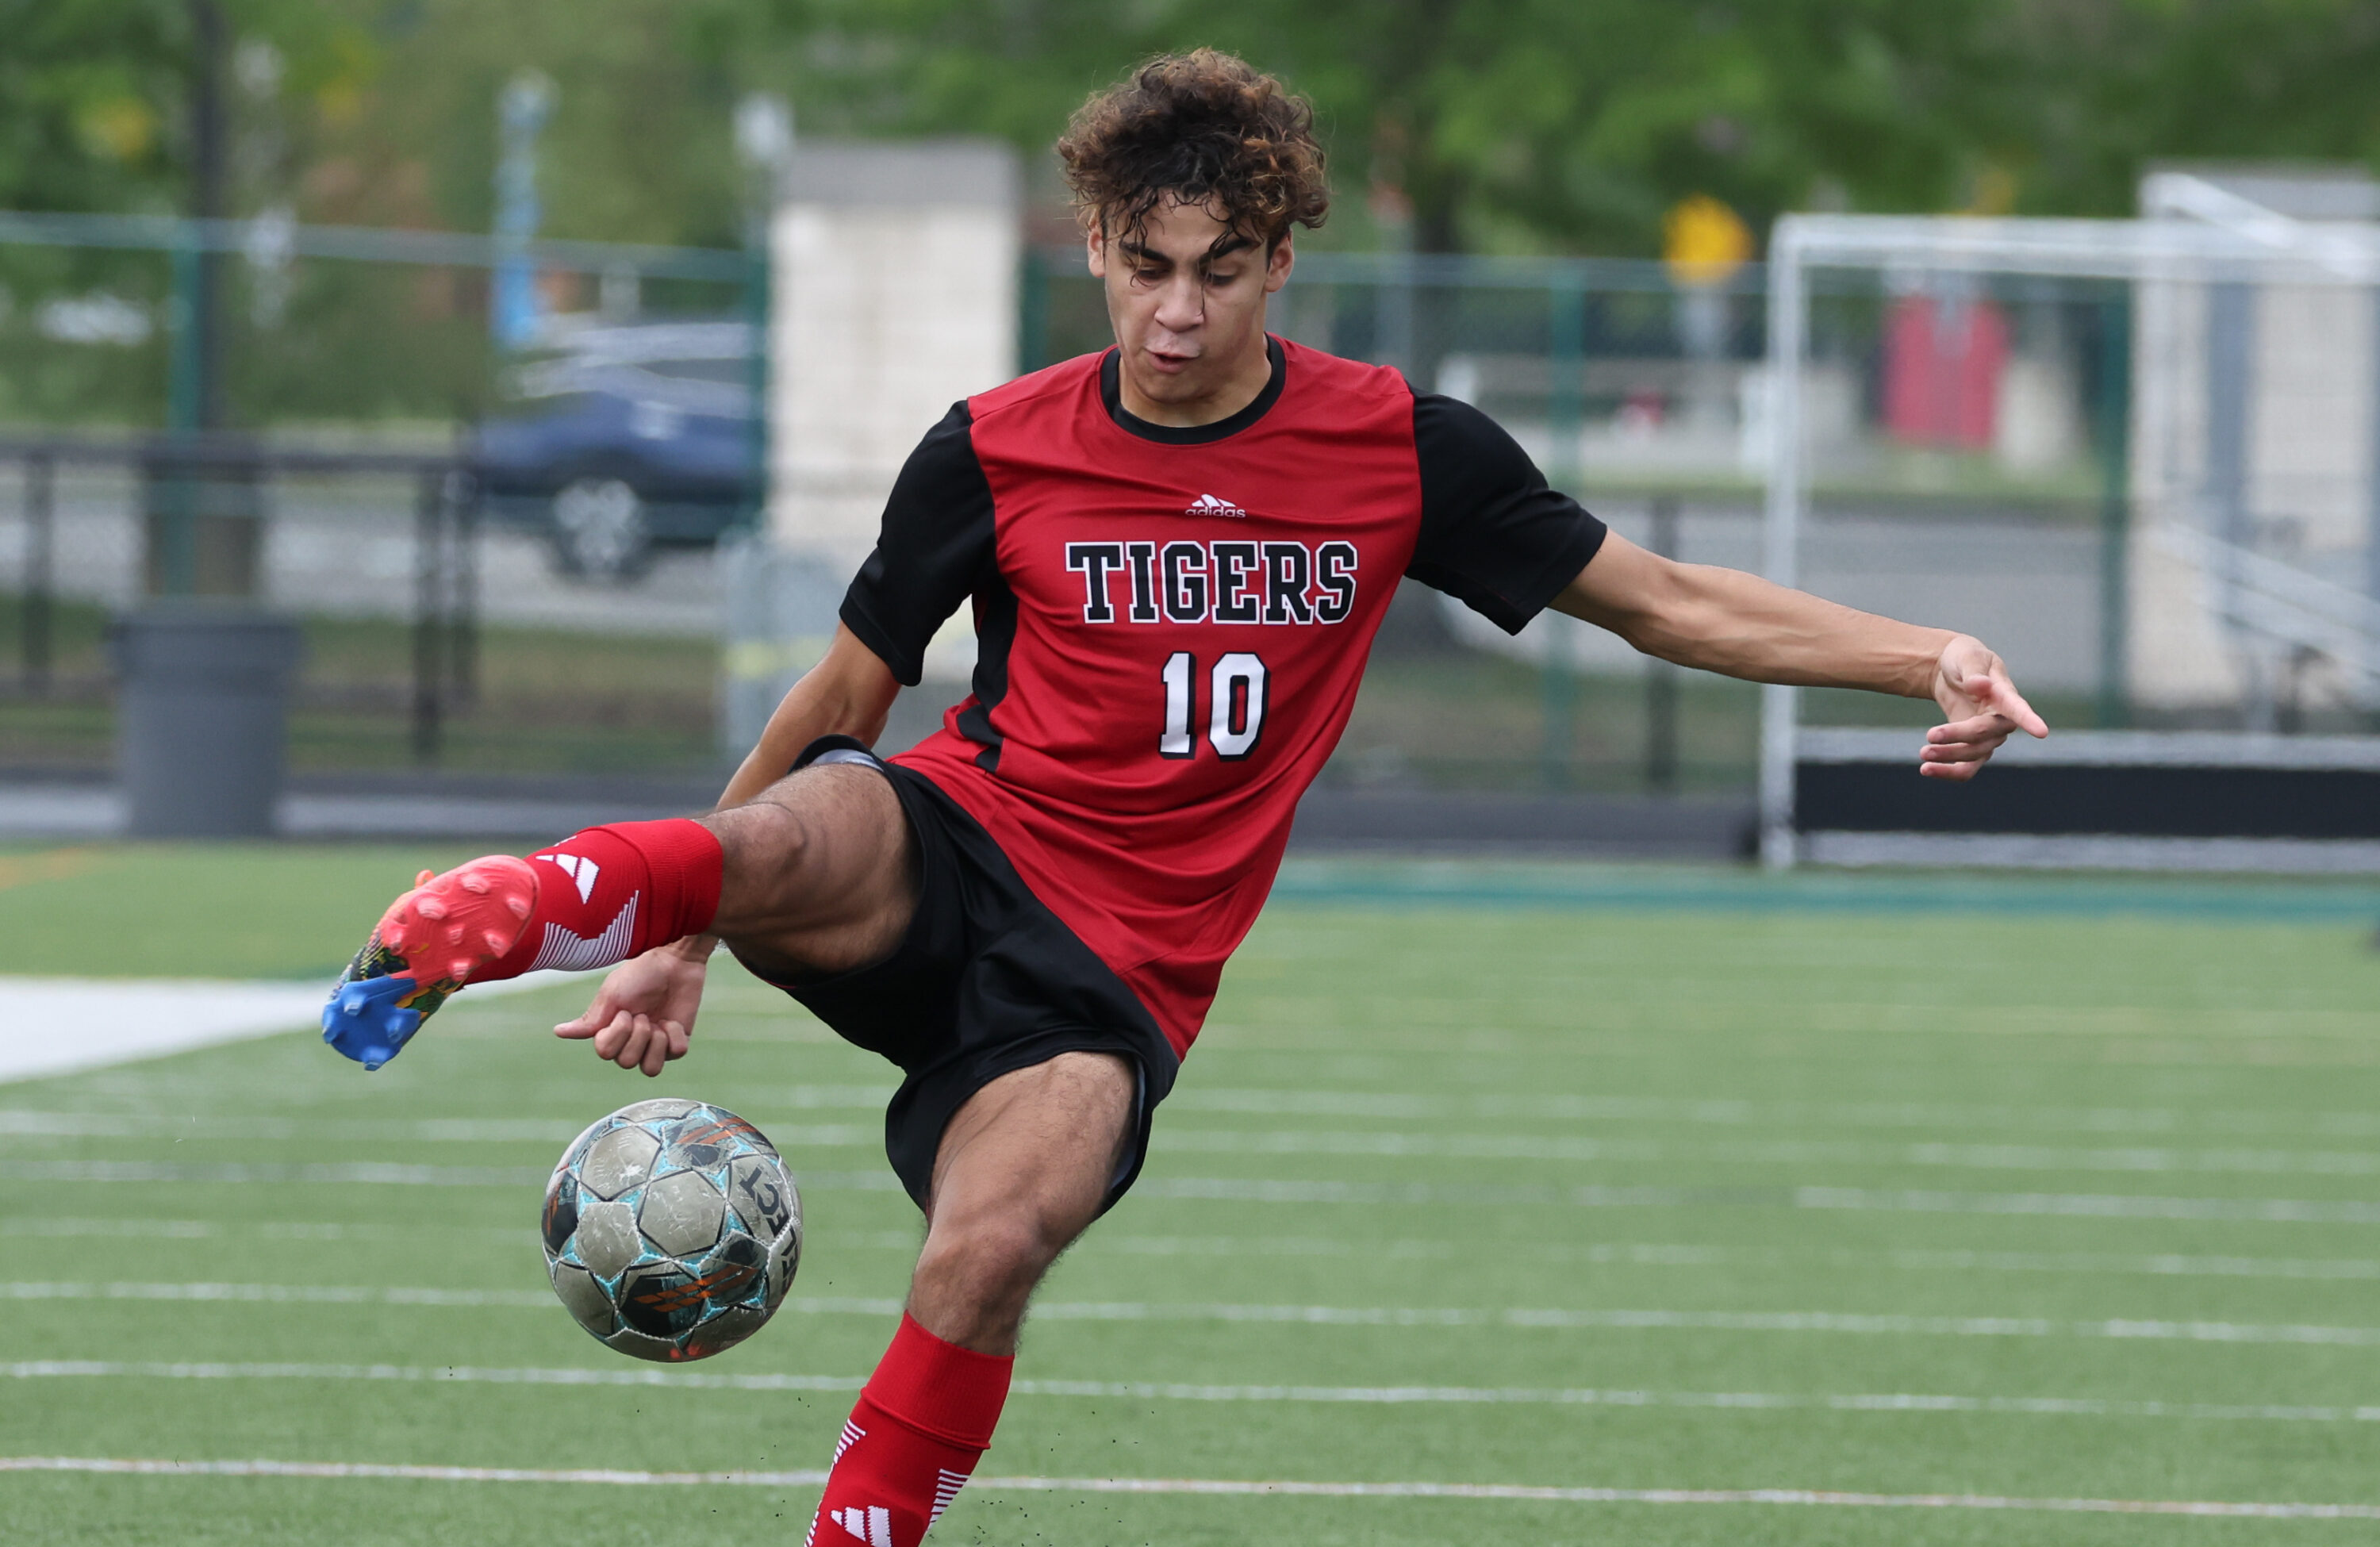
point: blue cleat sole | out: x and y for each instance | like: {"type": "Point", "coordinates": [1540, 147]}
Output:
{"type": "Point", "coordinates": [364, 1021]}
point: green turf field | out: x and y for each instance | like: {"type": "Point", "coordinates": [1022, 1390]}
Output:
{"type": "Point", "coordinates": [1573, 1179]}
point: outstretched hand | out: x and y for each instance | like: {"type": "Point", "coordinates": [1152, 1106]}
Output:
{"type": "Point", "coordinates": [1980, 707]}
{"type": "Point", "coordinates": [643, 1015]}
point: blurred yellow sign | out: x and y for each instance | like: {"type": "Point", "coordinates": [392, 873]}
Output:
{"type": "Point", "coordinates": [1704, 241]}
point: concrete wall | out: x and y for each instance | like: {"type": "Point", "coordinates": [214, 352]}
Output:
{"type": "Point", "coordinates": [894, 295]}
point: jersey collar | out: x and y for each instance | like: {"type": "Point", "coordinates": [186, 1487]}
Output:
{"type": "Point", "coordinates": [1111, 393]}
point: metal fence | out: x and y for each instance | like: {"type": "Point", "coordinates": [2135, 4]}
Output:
{"type": "Point", "coordinates": [433, 638]}
{"type": "Point", "coordinates": [1972, 473]}
{"type": "Point", "coordinates": [293, 416]}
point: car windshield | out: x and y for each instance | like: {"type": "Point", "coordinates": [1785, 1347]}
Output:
{"type": "Point", "coordinates": [692, 367]}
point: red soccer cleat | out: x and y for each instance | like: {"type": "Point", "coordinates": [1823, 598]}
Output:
{"type": "Point", "coordinates": [426, 945]}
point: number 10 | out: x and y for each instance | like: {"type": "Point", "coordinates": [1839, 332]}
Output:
{"type": "Point", "coordinates": [1236, 698]}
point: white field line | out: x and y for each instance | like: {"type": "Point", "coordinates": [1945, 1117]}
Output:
{"type": "Point", "coordinates": [32, 1124]}
{"type": "Point", "coordinates": [360, 1173]}
{"type": "Point", "coordinates": [57, 1026]}
{"type": "Point", "coordinates": [1845, 1324]}
{"type": "Point", "coordinates": [1930, 1118]}
{"type": "Point", "coordinates": [1933, 1117]}
{"type": "Point", "coordinates": [1163, 1390]}
{"type": "Point", "coordinates": [1639, 1254]}
{"type": "Point", "coordinates": [1646, 1254]}
{"type": "Point", "coordinates": [1219, 1487]}
{"type": "Point", "coordinates": [23, 1123]}
{"type": "Point", "coordinates": [60, 1024]}
{"type": "Point", "coordinates": [2280, 1210]}
{"type": "Point", "coordinates": [1966, 1157]}
{"type": "Point", "coordinates": [2287, 1210]}
{"type": "Point", "coordinates": [2274, 1211]}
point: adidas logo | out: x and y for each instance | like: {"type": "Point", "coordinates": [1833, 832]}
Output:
{"type": "Point", "coordinates": [1207, 505]}
{"type": "Point", "coordinates": [872, 1524]}
{"type": "Point", "coordinates": [581, 870]}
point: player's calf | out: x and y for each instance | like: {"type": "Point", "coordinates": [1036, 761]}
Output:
{"type": "Point", "coordinates": [597, 897]}
{"type": "Point", "coordinates": [1023, 1169]}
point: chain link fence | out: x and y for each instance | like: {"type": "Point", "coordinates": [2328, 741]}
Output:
{"type": "Point", "coordinates": [1971, 447]}
{"type": "Point", "coordinates": [500, 558]}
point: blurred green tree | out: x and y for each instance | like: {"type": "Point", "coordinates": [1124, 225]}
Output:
{"type": "Point", "coordinates": [1511, 125]}
{"type": "Point", "coordinates": [87, 94]}
{"type": "Point", "coordinates": [1551, 124]}
{"type": "Point", "coordinates": [95, 94]}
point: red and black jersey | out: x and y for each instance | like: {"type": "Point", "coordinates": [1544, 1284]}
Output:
{"type": "Point", "coordinates": [1171, 624]}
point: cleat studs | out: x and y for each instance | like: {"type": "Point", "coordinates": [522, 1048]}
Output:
{"type": "Point", "coordinates": [496, 941]}
{"type": "Point", "coordinates": [454, 934]}
{"type": "Point", "coordinates": [475, 885]}
{"type": "Point", "coordinates": [519, 907]}
{"type": "Point", "coordinates": [431, 908]}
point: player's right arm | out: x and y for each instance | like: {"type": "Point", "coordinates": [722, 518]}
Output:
{"type": "Point", "coordinates": [648, 1005]}
{"type": "Point", "coordinates": [936, 549]}
{"type": "Point", "coordinates": [849, 693]}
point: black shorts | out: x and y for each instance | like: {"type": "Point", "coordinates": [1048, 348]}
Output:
{"type": "Point", "coordinates": [987, 980]}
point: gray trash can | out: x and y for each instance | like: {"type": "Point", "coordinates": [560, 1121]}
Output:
{"type": "Point", "coordinates": [203, 718]}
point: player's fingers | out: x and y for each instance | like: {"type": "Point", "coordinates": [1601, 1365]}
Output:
{"type": "Point", "coordinates": [2027, 719]}
{"type": "Point", "coordinates": [1957, 773]}
{"type": "Point", "coordinates": [613, 1032]}
{"type": "Point", "coordinates": [645, 1047]}
{"type": "Point", "coordinates": [1997, 693]}
{"type": "Point", "coordinates": [585, 1023]}
{"type": "Point", "coordinates": [679, 1038]}
{"type": "Point", "coordinates": [1971, 729]}
{"type": "Point", "coordinates": [632, 1046]}
{"type": "Point", "coordinates": [657, 1051]}
{"type": "Point", "coordinates": [1960, 751]}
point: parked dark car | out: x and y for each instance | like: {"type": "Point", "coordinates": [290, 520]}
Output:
{"type": "Point", "coordinates": [624, 439]}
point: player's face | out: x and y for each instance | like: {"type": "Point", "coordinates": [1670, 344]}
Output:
{"type": "Point", "coordinates": [1186, 295]}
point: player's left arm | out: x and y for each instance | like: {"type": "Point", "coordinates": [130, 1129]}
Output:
{"type": "Point", "coordinates": [1740, 626]}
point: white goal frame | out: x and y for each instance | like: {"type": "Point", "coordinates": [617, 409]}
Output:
{"type": "Point", "coordinates": [2200, 234]}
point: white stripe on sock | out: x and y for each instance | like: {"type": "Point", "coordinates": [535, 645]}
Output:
{"type": "Point", "coordinates": [945, 1490]}
{"type": "Point", "coordinates": [571, 952]}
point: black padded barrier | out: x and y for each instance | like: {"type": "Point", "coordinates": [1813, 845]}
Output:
{"type": "Point", "coordinates": [2143, 800]}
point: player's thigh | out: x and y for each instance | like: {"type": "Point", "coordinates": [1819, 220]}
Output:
{"type": "Point", "coordinates": [1030, 1157]}
{"type": "Point", "coordinates": [821, 871]}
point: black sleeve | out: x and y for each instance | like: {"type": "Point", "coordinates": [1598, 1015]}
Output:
{"type": "Point", "coordinates": [934, 550]}
{"type": "Point", "coordinates": [1492, 533]}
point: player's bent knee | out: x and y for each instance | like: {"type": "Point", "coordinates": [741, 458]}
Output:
{"type": "Point", "coordinates": [990, 1256]}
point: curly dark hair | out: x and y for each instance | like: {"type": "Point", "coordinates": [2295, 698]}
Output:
{"type": "Point", "coordinates": [1204, 128]}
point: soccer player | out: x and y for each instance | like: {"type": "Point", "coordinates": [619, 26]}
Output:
{"type": "Point", "coordinates": [1177, 552]}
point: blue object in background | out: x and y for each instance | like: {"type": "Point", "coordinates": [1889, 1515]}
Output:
{"type": "Point", "coordinates": [515, 312]}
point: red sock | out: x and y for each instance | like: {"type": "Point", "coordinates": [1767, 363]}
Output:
{"type": "Point", "coordinates": [606, 894]}
{"type": "Point", "coordinates": [923, 1421]}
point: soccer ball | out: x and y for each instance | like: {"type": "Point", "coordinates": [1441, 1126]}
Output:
{"type": "Point", "coordinates": [671, 1230]}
